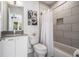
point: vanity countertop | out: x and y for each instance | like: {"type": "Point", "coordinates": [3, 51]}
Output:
{"type": "Point", "coordinates": [13, 35]}
{"type": "Point", "coordinates": [0, 38]}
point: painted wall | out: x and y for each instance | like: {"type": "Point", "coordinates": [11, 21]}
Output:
{"type": "Point", "coordinates": [0, 24]}
{"type": "Point", "coordinates": [4, 15]}
{"type": "Point", "coordinates": [68, 32]}
{"type": "Point", "coordinates": [30, 29]}
{"type": "Point", "coordinates": [43, 7]}
{"type": "Point", "coordinates": [0, 19]}
{"type": "Point", "coordinates": [28, 5]}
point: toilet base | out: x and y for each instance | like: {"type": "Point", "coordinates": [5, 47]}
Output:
{"type": "Point", "coordinates": [38, 55]}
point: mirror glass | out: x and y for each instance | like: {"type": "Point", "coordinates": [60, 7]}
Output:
{"type": "Point", "coordinates": [15, 18]}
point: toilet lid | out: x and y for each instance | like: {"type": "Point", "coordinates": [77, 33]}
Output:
{"type": "Point", "coordinates": [40, 47]}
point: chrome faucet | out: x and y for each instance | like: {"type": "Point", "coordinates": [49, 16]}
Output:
{"type": "Point", "coordinates": [14, 32]}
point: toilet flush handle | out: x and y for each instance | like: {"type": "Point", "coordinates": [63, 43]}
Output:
{"type": "Point", "coordinates": [34, 34]}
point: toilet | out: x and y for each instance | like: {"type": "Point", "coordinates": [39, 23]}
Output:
{"type": "Point", "coordinates": [37, 48]}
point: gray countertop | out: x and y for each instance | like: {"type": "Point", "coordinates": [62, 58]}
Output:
{"type": "Point", "coordinates": [11, 35]}
{"type": "Point", "coordinates": [14, 35]}
{"type": "Point", "coordinates": [0, 39]}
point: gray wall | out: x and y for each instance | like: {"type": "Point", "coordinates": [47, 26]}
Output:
{"type": "Point", "coordinates": [68, 32]}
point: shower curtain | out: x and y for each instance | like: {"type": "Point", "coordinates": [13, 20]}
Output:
{"type": "Point", "coordinates": [47, 31]}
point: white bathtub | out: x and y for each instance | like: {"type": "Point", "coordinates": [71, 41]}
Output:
{"type": "Point", "coordinates": [62, 50]}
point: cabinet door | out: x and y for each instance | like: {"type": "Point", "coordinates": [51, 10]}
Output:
{"type": "Point", "coordinates": [9, 47]}
{"type": "Point", "coordinates": [0, 48]}
{"type": "Point", "coordinates": [21, 46]}
{"type": "Point", "coordinates": [0, 26]}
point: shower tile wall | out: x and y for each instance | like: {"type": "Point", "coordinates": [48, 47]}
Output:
{"type": "Point", "coordinates": [68, 32]}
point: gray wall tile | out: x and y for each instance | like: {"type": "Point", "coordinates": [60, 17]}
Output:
{"type": "Point", "coordinates": [67, 41]}
{"type": "Point", "coordinates": [71, 19]}
{"type": "Point", "coordinates": [72, 35]}
{"type": "Point", "coordinates": [68, 32]}
{"type": "Point", "coordinates": [58, 34]}
{"type": "Point", "coordinates": [75, 43]}
{"type": "Point", "coordinates": [75, 10]}
{"type": "Point", "coordinates": [75, 27]}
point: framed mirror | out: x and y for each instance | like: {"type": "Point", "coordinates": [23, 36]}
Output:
{"type": "Point", "coordinates": [15, 18]}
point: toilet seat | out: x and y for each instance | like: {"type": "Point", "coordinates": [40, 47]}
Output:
{"type": "Point", "coordinates": [40, 48]}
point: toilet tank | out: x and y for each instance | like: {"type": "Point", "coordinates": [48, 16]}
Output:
{"type": "Point", "coordinates": [34, 39]}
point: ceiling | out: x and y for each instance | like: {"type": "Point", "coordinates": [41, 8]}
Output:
{"type": "Point", "coordinates": [49, 3]}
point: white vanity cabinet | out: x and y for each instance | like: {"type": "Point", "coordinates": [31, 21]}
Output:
{"type": "Point", "coordinates": [21, 46]}
{"type": "Point", "coordinates": [0, 48]}
{"type": "Point", "coordinates": [15, 46]}
{"type": "Point", "coordinates": [0, 26]}
{"type": "Point", "coordinates": [9, 47]}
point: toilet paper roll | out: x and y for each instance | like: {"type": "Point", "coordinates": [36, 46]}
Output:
{"type": "Point", "coordinates": [76, 53]}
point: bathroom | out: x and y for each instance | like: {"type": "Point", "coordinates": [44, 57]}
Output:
{"type": "Point", "coordinates": [39, 29]}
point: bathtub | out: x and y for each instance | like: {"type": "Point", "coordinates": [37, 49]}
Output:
{"type": "Point", "coordinates": [62, 50]}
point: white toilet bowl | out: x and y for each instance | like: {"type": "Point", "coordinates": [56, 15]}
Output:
{"type": "Point", "coordinates": [40, 50]}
